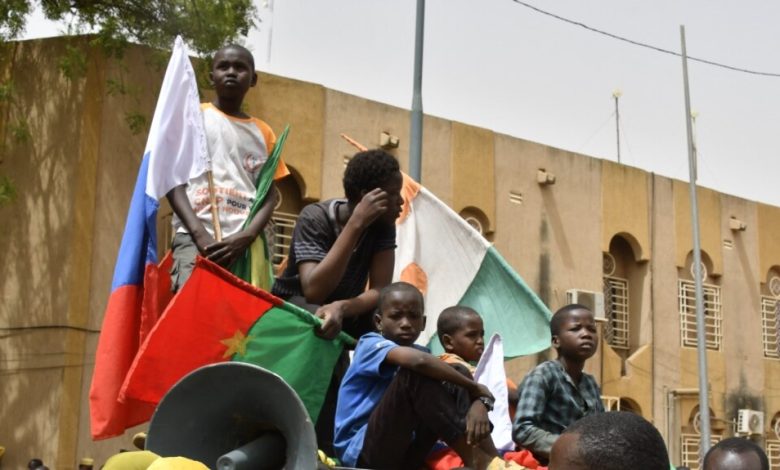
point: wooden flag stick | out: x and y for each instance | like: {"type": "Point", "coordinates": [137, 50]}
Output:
{"type": "Point", "coordinates": [214, 208]}
{"type": "Point", "coordinates": [354, 142]}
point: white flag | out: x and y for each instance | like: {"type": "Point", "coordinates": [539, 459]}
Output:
{"type": "Point", "coordinates": [176, 145]}
{"type": "Point", "coordinates": [490, 373]}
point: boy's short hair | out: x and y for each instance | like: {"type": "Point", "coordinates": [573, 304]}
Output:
{"type": "Point", "coordinates": [738, 445]}
{"type": "Point", "coordinates": [399, 286]}
{"type": "Point", "coordinates": [618, 440]}
{"type": "Point", "coordinates": [560, 316]}
{"type": "Point", "coordinates": [368, 170]}
{"type": "Point", "coordinates": [238, 47]}
{"type": "Point", "coordinates": [451, 319]}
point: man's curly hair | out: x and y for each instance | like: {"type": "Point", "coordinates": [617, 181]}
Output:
{"type": "Point", "coordinates": [368, 170]}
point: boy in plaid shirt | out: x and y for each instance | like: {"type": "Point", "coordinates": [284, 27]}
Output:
{"type": "Point", "coordinates": [557, 393]}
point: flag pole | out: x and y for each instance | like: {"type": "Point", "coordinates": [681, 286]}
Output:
{"type": "Point", "coordinates": [416, 131]}
{"type": "Point", "coordinates": [214, 208]}
{"type": "Point", "coordinates": [701, 339]}
{"type": "Point", "coordinates": [354, 143]}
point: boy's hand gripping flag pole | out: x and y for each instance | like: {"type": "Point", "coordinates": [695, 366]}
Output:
{"type": "Point", "coordinates": [175, 152]}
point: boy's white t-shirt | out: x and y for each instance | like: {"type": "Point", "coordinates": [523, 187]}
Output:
{"type": "Point", "coordinates": [238, 149]}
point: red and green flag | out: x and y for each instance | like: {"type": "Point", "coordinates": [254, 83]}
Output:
{"type": "Point", "coordinates": [218, 317]}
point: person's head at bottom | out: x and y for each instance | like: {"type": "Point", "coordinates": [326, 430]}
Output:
{"type": "Point", "coordinates": [610, 441]}
{"type": "Point", "coordinates": [736, 453]}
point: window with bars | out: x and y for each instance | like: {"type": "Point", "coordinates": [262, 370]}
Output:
{"type": "Point", "coordinates": [616, 311]}
{"type": "Point", "coordinates": [773, 453]}
{"type": "Point", "coordinates": [770, 326]}
{"type": "Point", "coordinates": [689, 449]}
{"type": "Point", "coordinates": [713, 318]}
{"type": "Point", "coordinates": [283, 226]}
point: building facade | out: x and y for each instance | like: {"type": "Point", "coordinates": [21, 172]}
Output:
{"type": "Point", "coordinates": [573, 226]}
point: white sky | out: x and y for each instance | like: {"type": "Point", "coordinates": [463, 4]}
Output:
{"type": "Point", "coordinates": [499, 65]}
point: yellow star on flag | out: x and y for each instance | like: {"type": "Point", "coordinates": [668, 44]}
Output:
{"type": "Point", "coordinates": [236, 344]}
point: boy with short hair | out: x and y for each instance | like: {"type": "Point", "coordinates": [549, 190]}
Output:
{"type": "Point", "coordinates": [397, 400]}
{"type": "Point", "coordinates": [462, 335]}
{"type": "Point", "coordinates": [735, 453]}
{"type": "Point", "coordinates": [238, 145]}
{"type": "Point", "coordinates": [611, 441]}
{"type": "Point", "coordinates": [557, 393]}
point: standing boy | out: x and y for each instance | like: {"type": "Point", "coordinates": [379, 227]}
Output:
{"type": "Point", "coordinates": [238, 146]}
{"type": "Point", "coordinates": [557, 393]}
{"type": "Point", "coordinates": [397, 400]}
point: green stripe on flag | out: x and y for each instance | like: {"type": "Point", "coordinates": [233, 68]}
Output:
{"type": "Point", "coordinates": [283, 341]}
{"type": "Point", "coordinates": [255, 265]}
{"type": "Point", "coordinates": [508, 307]}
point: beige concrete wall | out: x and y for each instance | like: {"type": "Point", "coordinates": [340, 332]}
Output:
{"type": "Point", "coordinates": [666, 322]}
{"type": "Point", "coordinates": [473, 171]}
{"type": "Point", "coordinates": [768, 229]}
{"type": "Point", "coordinates": [280, 101]}
{"type": "Point", "coordinates": [553, 237]}
{"type": "Point", "coordinates": [741, 308]}
{"type": "Point", "coordinates": [625, 207]}
{"type": "Point", "coordinates": [636, 383]}
{"type": "Point", "coordinates": [364, 121]}
{"type": "Point", "coordinates": [771, 390]}
{"type": "Point", "coordinates": [45, 270]}
{"type": "Point", "coordinates": [708, 203]}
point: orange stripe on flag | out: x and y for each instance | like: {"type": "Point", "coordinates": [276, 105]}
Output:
{"type": "Point", "coordinates": [409, 191]}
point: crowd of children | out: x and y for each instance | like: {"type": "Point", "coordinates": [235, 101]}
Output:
{"type": "Point", "coordinates": [394, 402]}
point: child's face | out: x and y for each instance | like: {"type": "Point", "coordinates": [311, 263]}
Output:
{"type": "Point", "coordinates": [401, 319]}
{"type": "Point", "coordinates": [468, 341]}
{"type": "Point", "coordinates": [232, 73]}
{"type": "Point", "coordinates": [578, 337]}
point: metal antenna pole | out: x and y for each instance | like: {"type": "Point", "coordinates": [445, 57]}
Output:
{"type": "Point", "coordinates": [415, 141]}
{"type": "Point", "coordinates": [701, 339]}
{"type": "Point", "coordinates": [617, 94]}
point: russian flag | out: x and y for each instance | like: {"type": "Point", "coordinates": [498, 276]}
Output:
{"type": "Point", "coordinates": [175, 151]}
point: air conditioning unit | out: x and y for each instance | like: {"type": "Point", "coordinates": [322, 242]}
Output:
{"type": "Point", "coordinates": [593, 300]}
{"type": "Point", "coordinates": [750, 422]}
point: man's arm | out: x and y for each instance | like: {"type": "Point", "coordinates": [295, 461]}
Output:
{"type": "Point", "coordinates": [477, 423]}
{"type": "Point", "coordinates": [226, 251]}
{"type": "Point", "coordinates": [530, 408]}
{"type": "Point", "coordinates": [380, 275]}
{"type": "Point", "coordinates": [180, 204]}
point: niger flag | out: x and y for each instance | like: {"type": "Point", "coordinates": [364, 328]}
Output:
{"type": "Point", "coordinates": [218, 317]}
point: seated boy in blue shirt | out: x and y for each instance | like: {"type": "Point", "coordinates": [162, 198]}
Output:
{"type": "Point", "coordinates": [557, 393]}
{"type": "Point", "coordinates": [397, 400]}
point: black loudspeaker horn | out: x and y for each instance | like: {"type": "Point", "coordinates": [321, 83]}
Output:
{"type": "Point", "coordinates": [239, 414]}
